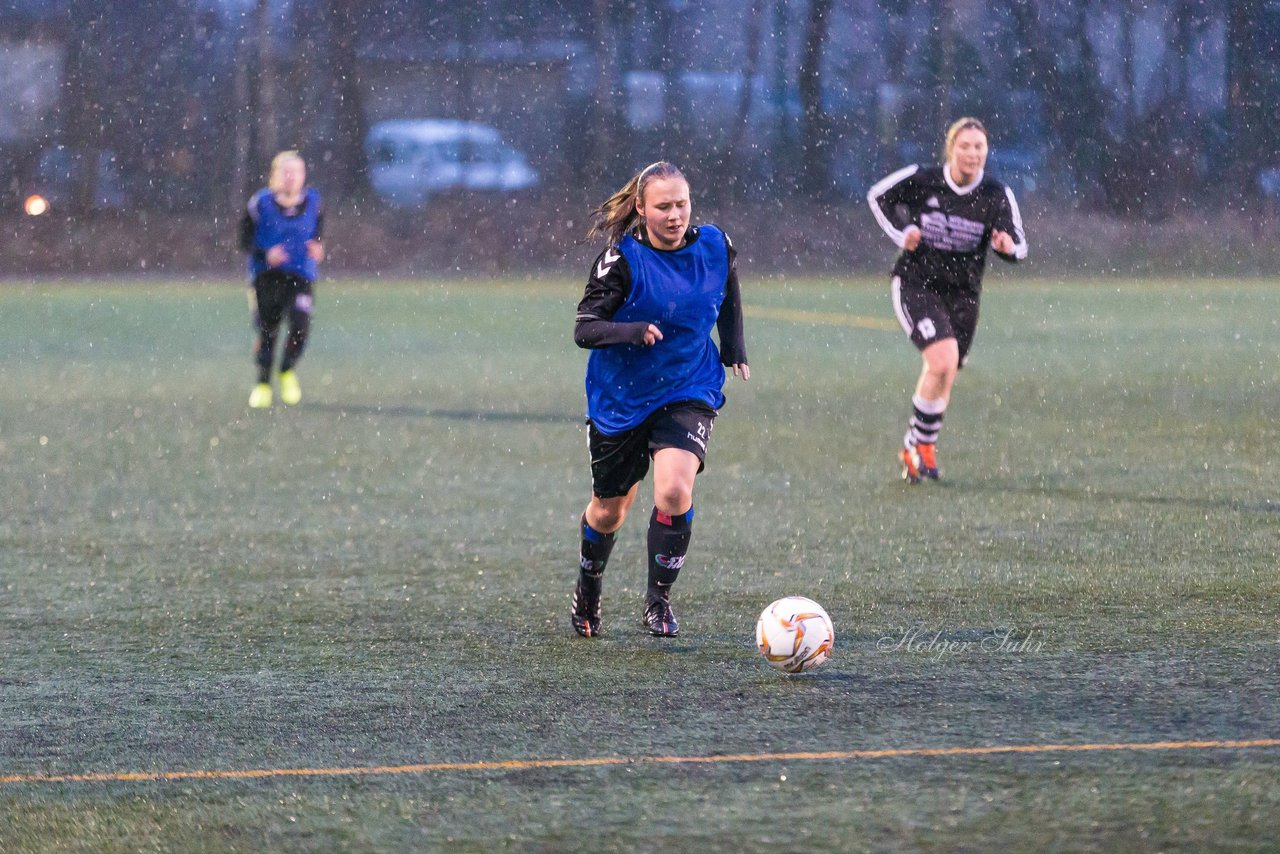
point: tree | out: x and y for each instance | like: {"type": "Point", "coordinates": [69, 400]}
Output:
{"type": "Point", "coordinates": [267, 120]}
{"type": "Point", "coordinates": [241, 119]}
{"type": "Point", "coordinates": [1247, 107]}
{"type": "Point", "coordinates": [605, 115]}
{"type": "Point", "coordinates": [736, 159]}
{"type": "Point", "coordinates": [82, 131]}
{"type": "Point", "coordinates": [815, 134]}
{"type": "Point", "coordinates": [1065, 71]}
{"type": "Point", "coordinates": [944, 38]}
{"type": "Point", "coordinates": [349, 168]}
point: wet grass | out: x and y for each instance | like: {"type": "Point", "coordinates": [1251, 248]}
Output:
{"type": "Point", "coordinates": [380, 576]}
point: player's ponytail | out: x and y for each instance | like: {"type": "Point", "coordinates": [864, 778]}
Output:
{"type": "Point", "coordinates": [617, 214]}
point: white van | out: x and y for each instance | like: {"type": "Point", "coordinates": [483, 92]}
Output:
{"type": "Point", "coordinates": [411, 160]}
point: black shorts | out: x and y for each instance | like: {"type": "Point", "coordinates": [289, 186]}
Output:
{"type": "Point", "coordinates": [276, 293]}
{"type": "Point", "coordinates": [928, 315]}
{"type": "Point", "coordinates": [620, 461]}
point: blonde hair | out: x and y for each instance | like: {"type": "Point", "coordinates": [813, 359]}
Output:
{"type": "Point", "coordinates": [278, 161]}
{"type": "Point", "coordinates": [964, 123]}
{"type": "Point", "coordinates": [617, 214]}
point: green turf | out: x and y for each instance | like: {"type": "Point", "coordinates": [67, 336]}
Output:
{"type": "Point", "coordinates": [380, 577]}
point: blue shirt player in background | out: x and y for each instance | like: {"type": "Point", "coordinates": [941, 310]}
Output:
{"type": "Point", "coordinates": [281, 230]}
{"type": "Point", "coordinates": [654, 377]}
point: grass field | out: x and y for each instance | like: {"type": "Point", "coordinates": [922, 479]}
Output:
{"type": "Point", "coordinates": [343, 626]}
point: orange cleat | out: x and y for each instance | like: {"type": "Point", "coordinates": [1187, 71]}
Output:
{"type": "Point", "coordinates": [928, 461]}
{"type": "Point", "coordinates": [910, 465]}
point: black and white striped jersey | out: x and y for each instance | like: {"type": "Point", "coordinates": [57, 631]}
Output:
{"type": "Point", "coordinates": [955, 224]}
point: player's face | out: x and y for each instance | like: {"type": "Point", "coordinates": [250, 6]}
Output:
{"type": "Point", "coordinates": [968, 155]}
{"type": "Point", "coordinates": [290, 178]}
{"type": "Point", "coordinates": [665, 208]}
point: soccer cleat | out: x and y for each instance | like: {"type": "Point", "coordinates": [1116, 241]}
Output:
{"type": "Point", "coordinates": [260, 397]}
{"type": "Point", "coordinates": [928, 462]}
{"type": "Point", "coordinates": [586, 613]}
{"type": "Point", "coordinates": [910, 465]}
{"type": "Point", "coordinates": [290, 390]}
{"type": "Point", "coordinates": [660, 619]}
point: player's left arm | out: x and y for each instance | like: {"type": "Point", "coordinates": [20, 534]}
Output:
{"type": "Point", "coordinates": [315, 246]}
{"type": "Point", "coordinates": [1007, 237]}
{"type": "Point", "coordinates": [733, 345]}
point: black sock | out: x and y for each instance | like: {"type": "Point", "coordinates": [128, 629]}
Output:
{"type": "Point", "coordinates": [592, 557]}
{"type": "Point", "coordinates": [668, 543]}
{"type": "Point", "coordinates": [264, 349]}
{"type": "Point", "coordinates": [296, 341]}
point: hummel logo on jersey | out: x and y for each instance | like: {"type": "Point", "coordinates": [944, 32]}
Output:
{"type": "Point", "coordinates": [933, 202]}
{"type": "Point", "coordinates": [606, 263]}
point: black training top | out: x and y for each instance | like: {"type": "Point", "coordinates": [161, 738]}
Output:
{"type": "Point", "coordinates": [955, 224]}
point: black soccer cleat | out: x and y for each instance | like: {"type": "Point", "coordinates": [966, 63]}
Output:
{"type": "Point", "coordinates": [586, 613]}
{"type": "Point", "coordinates": [660, 620]}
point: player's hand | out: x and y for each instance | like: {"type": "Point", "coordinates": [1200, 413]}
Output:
{"type": "Point", "coordinates": [315, 250]}
{"type": "Point", "coordinates": [652, 335]}
{"type": "Point", "coordinates": [1002, 242]}
{"type": "Point", "coordinates": [911, 238]}
{"type": "Point", "coordinates": [276, 256]}
{"type": "Point", "coordinates": [742, 370]}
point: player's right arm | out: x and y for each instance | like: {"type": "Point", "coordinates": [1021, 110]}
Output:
{"type": "Point", "coordinates": [608, 287]}
{"type": "Point", "coordinates": [248, 227]}
{"type": "Point", "coordinates": [249, 231]}
{"type": "Point", "coordinates": [886, 197]}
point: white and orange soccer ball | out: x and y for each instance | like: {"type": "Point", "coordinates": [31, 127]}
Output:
{"type": "Point", "coordinates": [795, 634]}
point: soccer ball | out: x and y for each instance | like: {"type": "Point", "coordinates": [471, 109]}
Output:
{"type": "Point", "coordinates": [795, 634]}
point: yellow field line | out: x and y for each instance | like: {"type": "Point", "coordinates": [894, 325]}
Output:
{"type": "Point", "coordinates": [528, 764]}
{"type": "Point", "coordinates": [822, 318]}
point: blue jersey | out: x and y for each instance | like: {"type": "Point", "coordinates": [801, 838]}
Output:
{"type": "Point", "coordinates": [274, 226]}
{"type": "Point", "coordinates": [680, 292]}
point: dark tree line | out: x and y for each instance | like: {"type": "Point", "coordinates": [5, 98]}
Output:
{"type": "Point", "coordinates": [194, 102]}
{"type": "Point", "coordinates": [1142, 160]}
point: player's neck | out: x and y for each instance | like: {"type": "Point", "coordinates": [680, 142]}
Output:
{"type": "Point", "coordinates": [663, 245]}
{"type": "Point", "coordinates": [962, 179]}
{"type": "Point", "coordinates": [285, 200]}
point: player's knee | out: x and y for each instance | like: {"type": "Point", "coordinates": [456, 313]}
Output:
{"type": "Point", "coordinates": [945, 372]}
{"type": "Point", "coordinates": [608, 516]}
{"type": "Point", "coordinates": [943, 361]}
{"type": "Point", "coordinates": [674, 496]}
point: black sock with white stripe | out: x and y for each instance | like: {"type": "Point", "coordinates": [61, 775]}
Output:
{"type": "Point", "coordinates": [926, 421]}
